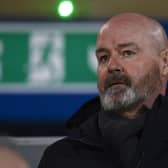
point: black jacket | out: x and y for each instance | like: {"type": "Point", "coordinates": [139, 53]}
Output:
{"type": "Point", "coordinates": [141, 143]}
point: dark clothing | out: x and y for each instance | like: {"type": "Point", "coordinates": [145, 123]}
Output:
{"type": "Point", "coordinates": [101, 141]}
{"type": "Point", "coordinates": [155, 138]}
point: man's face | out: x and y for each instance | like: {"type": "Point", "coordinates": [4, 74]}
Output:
{"type": "Point", "coordinates": [128, 67]}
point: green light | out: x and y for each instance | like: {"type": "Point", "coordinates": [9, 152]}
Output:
{"type": "Point", "coordinates": [65, 8]}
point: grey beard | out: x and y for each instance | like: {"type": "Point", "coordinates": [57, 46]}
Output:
{"type": "Point", "coordinates": [129, 99]}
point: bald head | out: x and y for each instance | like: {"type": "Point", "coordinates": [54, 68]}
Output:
{"type": "Point", "coordinates": [140, 23]}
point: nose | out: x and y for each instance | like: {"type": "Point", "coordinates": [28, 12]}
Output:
{"type": "Point", "coordinates": [114, 64]}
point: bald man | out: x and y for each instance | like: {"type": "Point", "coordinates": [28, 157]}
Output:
{"type": "Point", "coordinates": [126, 126]}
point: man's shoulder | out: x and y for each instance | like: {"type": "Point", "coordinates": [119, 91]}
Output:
{"type": "Point", "coordinates": [63, 146]}
{"type": "Point", "coordinates": [66, 147]}
{"type": "Point", "coordinates": [73, 148]}
{"type": "Point", "coordinates": [72, 153]}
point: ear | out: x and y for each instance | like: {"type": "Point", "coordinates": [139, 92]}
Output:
{"type": "Point", "coordinates": [164, 60]}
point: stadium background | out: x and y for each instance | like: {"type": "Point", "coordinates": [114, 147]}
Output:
{"type": "Point", "coordinates": [48, 64]}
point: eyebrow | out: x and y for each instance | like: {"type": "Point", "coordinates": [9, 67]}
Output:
{"type": "Point", "coordinates": [101, 50]}
{"type": "Point", "coordinates": [131, 44]}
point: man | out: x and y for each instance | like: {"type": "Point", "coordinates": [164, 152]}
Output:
{"type": "Point", "coordinates": [127, 127]}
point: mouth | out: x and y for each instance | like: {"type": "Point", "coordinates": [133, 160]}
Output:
{"type": "Point", "coordinates": [116, 88]}
{"type": "Point", "coordinates": [117, 84]}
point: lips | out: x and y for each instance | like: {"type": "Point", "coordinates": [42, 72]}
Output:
{"type": "Point", "coordinates": [116, 84]}
{"type": "Point", "coordinates": [117, 79]}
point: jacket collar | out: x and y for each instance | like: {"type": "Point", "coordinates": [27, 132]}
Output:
{"type": "Point", "coordinates": [84, 113]}
{"type": "Point", "coordinates": [85, 120]}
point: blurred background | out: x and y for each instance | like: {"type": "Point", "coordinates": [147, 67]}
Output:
{"type": "Point", "coordinates": [48, 64]}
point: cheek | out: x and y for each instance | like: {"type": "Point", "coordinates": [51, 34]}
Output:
{"type": "Point", "coordinates": [137, 72]}
{"type": "Point", "coordinates": [146, 71]}
{"type": "Point", "coordinates": [134, 69]}
{"type": "Point", "coordinates": [101, 78]}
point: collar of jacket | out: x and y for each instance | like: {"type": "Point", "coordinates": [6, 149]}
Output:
{"type": "Point", "coordinates": [86, 119]}
{"type": "Point", "coordinates": [84, 113]}
{"type": "Point", "coordinates": [83, 125]}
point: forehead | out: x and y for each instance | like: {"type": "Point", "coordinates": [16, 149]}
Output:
{"type": "Point", "coordinates": [113, 34]}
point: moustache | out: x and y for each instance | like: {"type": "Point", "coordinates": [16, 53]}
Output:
{"type": "Point", "coordinates": [116, 77]}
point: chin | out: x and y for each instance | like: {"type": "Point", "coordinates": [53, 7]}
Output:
{"type": "Point", "coordinates": [123, 99]}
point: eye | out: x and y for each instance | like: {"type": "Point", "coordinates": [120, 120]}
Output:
{"type": "Point", "coordinates": [128, 53]}
{"type": "Point", "coordinates": [103, 59]}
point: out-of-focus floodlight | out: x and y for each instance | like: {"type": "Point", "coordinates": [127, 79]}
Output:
{"type": "Point", "coordinates": [65, 8]}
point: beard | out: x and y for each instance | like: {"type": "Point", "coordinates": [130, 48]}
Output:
{"type": "Point", "coordinates": [120, 100]}
{"type": "Point", "coordinates": [124, 97]}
